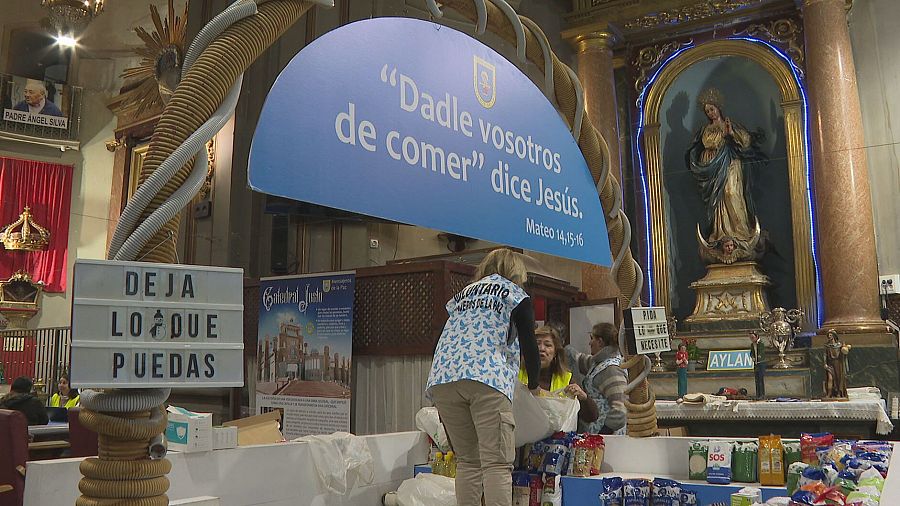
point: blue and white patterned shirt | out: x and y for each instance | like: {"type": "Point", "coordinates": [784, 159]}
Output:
{"type": "Point", "coordinates": [475, 342]}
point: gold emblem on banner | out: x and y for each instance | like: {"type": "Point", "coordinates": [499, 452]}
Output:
{"type": "Point", "coordinates": [485, 79]}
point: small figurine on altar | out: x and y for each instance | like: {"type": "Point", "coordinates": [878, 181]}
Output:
{"type": "Point", "coordinates": [681, 362]}
{"type": "Point", "coordinates": [836, 367]}
{"type": "Point", "coordinates": [758, 348]}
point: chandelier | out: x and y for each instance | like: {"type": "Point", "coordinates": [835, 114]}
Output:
{"type": "Point", "coordinates": [69, 16]}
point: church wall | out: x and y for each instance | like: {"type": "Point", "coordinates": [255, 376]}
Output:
{"type": "Point", "coordinates": [876, 40]}
{"type": "Point", "coordinates": [104, 53]}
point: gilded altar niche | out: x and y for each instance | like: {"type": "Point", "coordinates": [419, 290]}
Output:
{"type": "Point", "coordinates": [724, 155]}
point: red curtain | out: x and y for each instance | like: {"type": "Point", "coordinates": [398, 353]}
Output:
{"type": "Point", "coordinates": [47, 189]}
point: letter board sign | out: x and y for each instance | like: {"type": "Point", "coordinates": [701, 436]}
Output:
{"type": "Point", "coordinates": [145, 325]}
{"type": "Point", "coordinates": [647, 330]}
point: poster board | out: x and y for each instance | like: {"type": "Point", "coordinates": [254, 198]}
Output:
{"type": "Point", "coordinates": [304, 351]}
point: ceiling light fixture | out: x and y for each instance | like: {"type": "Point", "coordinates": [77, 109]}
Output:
{"type": "Point", "coordinates": [66, 41]}
{"type": "Point", "coordinates": [70, 16]}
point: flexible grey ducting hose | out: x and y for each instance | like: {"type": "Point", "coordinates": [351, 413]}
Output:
{"type": "Point", "coordinates": [158, 447]}
{"type": "Point", "coordinates": [140, 399]}
{"type": "Point", "coordinates": [193, 146]}
{"type": "Point", "coordinates": [145, 193]}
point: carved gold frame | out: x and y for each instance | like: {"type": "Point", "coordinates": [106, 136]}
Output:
{"type": "Point", "coordinates": [793, 107]}
{"type": "Point", "coordinates": [134, 171]}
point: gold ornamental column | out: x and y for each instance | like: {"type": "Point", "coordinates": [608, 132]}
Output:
{"type": "Point", "coordinates": [594, 56]}
{"type": "Point", "coordinates": [843, 202]}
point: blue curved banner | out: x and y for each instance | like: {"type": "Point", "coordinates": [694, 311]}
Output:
{"type": "Point", "coordinates": [418, 123]}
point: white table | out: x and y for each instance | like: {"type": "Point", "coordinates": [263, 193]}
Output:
{"type": "Point", "coordinates": [858, 410]}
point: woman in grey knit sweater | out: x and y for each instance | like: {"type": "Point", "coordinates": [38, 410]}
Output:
{"type": "Point", "coordinates": [604, 380]}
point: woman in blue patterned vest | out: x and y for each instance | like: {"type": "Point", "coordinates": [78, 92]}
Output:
{"type": "Point", "coordinates": [473, 376]}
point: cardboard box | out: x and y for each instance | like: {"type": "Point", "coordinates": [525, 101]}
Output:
{"type": "Point", "coordinates": [188, 431]}
{"type": "Point", "coordinates": [746, 497]}
{"type": "Point", "coordinates": [224, 437]}
{"type": "Point", "coordinates": [673, 431]}
{"type": "Point", "coordinates": [258, 430]}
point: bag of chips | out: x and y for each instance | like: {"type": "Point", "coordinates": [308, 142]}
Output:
{"type": "Point", "coordinates": [718, 462]}
{"type": "Point", "coordinates": [771, 461]}
{"type": "Point", "coordinates": [810, 442]}
{"type": "Point", "coordinates": [697, 455]}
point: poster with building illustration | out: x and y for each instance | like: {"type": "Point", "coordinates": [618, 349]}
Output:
{"type": "Point", "coordinates": [303, 354]}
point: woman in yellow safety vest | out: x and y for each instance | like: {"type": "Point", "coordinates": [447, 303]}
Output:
{"type": "Point", "coordinates": [555, 378]}
{"type": "Point", "coordinates": [65, 397]}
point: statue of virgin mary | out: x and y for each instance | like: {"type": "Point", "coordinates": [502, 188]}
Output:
{"type": "Point", "coordinates": [720, 158]}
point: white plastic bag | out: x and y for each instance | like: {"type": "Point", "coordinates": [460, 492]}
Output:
{"type": "Point", "coordinates": [532, 423]}
{"type": "Point", "coordinates": [342, 461]}
{"type": "Point", "coordinates": [561, 411]}
{"type": "Point", "coordinates": [428, 421]}
{"type": "Point", "coordinates": [427, 489]}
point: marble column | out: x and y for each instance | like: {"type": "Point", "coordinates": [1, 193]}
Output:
{"type": "Point", "coordinates": [594, 56]}
{"type": "Point", "coordinates": [844, 206]}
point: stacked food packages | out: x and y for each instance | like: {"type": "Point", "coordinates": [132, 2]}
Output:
{"type": "Point", "coordinates": [539, 466]}
{"type": "Point", "coordinates": [643, 492]}
{"type": "Point", "coordinates": [819, 470]}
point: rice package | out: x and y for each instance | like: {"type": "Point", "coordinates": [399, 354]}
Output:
{"type": "Point", "coordinates": [744, 462]}
{"type": "Point", "coordinates": [771, 460]}
{"type": "Point", "coordinates": [636, 492]}
{"type": "Point", "coordinates": [718, 462]}
{"type": "Point", "coordinates": [795, 471]}
{"type": "Point", "coordinates": [697, 456]}
{"type": "Point", "coordinates": [666, 492]}
{"type": "Point", "coordinates": [611, 494]}
{"type": "Point", "coordinates": [791, 453]}
{"type": "Point", "coordinates": [810, 442]}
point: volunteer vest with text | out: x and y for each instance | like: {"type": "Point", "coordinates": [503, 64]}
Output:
{"type": "Point", "coordinates": [474, 343]}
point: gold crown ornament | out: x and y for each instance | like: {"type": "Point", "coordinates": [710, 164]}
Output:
{"type": "Point", "coordinates": [24, 234]}
{"type": "Point", "coordinates": [711, 96]}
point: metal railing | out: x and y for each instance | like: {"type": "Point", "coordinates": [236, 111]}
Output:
{"type": "Point", "coordinates": [40, 354]}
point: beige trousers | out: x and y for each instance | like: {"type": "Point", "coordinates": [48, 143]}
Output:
{"type": "Point", "coordinates": [481, 429]}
